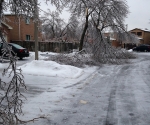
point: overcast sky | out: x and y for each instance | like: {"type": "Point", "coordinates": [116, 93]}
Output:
{"type": "Point", "coordinates": [139, 16]}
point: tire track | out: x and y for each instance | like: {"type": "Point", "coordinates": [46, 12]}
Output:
{"type": "Point", "coordinates": [121, 103]}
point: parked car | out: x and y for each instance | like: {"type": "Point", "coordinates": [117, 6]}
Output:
{"type": "Point", "coordinates": [142, 48]}
{"type": "Point", "coordinates": [17, 49]}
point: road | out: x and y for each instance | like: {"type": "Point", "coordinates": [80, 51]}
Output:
{"type": "Point", "coordinates": [118, 96]}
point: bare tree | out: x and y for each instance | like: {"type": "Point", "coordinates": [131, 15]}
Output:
{"type": "Point", "coordinates": [52, 24]}
{"type": "Point", "coordinates": [97, 17]}
{"type": "Point", "coordinates": [55, 27]}
{"type": "Point", "coordinates": [70, 29]}
{"type": "Point", "coordinates": [81, 8]}
{"type": "Point", "coordinates": [103, 14]}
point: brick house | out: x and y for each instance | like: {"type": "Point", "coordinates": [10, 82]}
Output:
{"type": "Point", "coordinates": [6, 29]}
{"type": "Point", "coordinates": [113, 39]}
{"type": "Point", "coordinates": [126, 43]}
{"type": "Point", "coordinates": [22, 28]}
{"type": "Point", "coordinates": [143, 34]}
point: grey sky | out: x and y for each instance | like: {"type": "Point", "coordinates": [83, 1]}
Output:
{"type": "Point", "coordinates": [139, 16]}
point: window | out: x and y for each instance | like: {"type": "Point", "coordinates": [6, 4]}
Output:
{"type": "Point", "coordinates": [27, 20]}
{"type": "Point", "coordinates": [139, 33]}
{"type": "Point", "coordinates": [27, 37]}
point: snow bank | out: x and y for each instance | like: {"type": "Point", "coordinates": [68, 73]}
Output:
{"type": "Point", "coordinates": [3, 65]}
{"type": "Point", "coordinates": [50, 68]}
{"type": "Point", "coordinates": [130, 50]}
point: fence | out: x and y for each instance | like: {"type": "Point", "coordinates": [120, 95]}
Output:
{"type": "Point", "coordinates": [48, 46]}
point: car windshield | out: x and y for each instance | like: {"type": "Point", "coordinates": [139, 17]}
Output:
{"type": "Point", "coordinates": [17, 46]}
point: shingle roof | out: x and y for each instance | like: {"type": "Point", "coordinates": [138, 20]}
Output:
{"type": "Point", "coordinates": [146, 30]}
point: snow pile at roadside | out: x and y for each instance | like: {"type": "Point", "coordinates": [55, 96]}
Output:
{"type": "Point", "coordinates": [130, 50]}
{"type": "Point", "coordinates": [3, 65]}
{"type": "Point", "coordinates": [50, 68]}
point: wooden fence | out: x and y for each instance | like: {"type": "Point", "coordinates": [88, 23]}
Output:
{"type": "Point", "coordinates": [48, 46]}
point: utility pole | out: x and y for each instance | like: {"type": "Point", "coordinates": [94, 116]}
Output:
{"type": "Point", "coordinates": [36, 15]}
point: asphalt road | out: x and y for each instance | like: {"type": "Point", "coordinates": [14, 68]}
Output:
{"type": "Point", "coordinates": [118, 96]}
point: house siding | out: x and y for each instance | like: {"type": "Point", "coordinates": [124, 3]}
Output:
{"type": "Point", "coordinates": [145, 35]}
{"type": "Point", "coordinates": [28, 29]}
{"type": "Point", "coordinates": [13, 22]}
{"type": "Point", "coordinates": [6, 32]}
{"type": "Point", "coordinates": [19, 34]}
{"type": "Point", "coordinates": [146, 38]}
{"type": "Point", "coordinates": [116, 43]}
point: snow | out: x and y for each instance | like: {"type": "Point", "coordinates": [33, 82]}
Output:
{"type": "Point", "coordinates": [130, 50]}
{"type": "Point", "coordinates": [49, 84]}
{"type": "Point", "coordinates": [147, 30]}
{"type": "Point", "coordinates": [3, 65]}
{"type": "Point", "coordinates": [51, 68]}
{"type": "Point", "coordinates": [46, 83]}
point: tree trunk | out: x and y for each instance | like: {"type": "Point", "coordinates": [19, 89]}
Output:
{"type": "Point", "coordinates": [83, 33]}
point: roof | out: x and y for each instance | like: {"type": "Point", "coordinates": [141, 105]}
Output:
{"type": "Point", "coordinates": [14, 15]}
{"type": "Point", "coordinates": [8, 14]}
{"type": "Point", "coordinates": [145, 30]}
{"type": "Point", "coordinates": [8, 26]}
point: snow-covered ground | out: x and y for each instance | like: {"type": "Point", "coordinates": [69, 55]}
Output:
{"type": "Point", "coordinates": [46, 82]}
{"type": "Point", "coordinates": [51, 85]}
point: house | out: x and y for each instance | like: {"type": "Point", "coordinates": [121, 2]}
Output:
{"type": "Point", "coordinates": [143, 35]}
{"type": "Point", "coordinates": [6, 29]}
{"type": "Point", "coordinates": [125, 40]}
{"type": "Point", "coordinates": [113, 39]}
{"type": "Point", "coordinates": [22, 28]}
